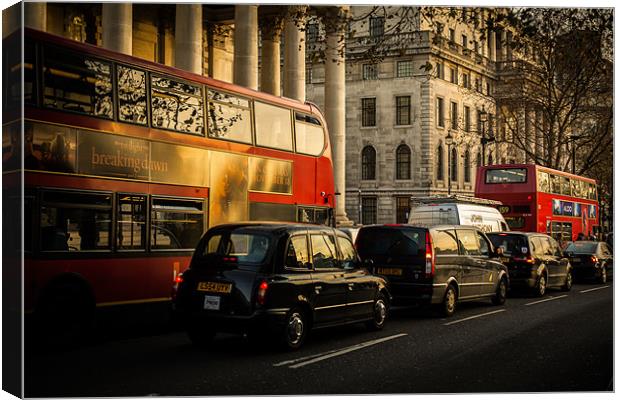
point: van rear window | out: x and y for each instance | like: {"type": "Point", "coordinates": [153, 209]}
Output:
{"type": "Point", "coordinates": [512, 244]}
{"type": "Point", "coordinates": [392, 241]}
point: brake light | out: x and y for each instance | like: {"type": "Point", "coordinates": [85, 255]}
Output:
{"type": "Point", "coordinates": [527, 260]}
{"type": "Point", "coordinates": [429, 257]}
{"type": "Point", "coordinates": [594, 259]}
{"type": "Point", "coordinates": [229, 259]}
{"type": "Point", "coordinates": [262, 293]}
{"type": "Point", "coordinates": [175, 286]}
{"type": "Point", "coordinates": [179, 278]}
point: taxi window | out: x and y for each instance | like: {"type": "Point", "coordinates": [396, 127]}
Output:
{"type": "Point", "coordinates": [297, 252]}
{"type": "Point", "coordinates": [349, 257]}
{"type": "Point", "coordinates": [323, 251]}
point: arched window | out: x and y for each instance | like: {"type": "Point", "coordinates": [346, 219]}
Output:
{"type": "Point", "coordinates": [479, 160]}
{"type": "Point", "coordinates": [369, 161]}
{"type": "Point", "coordinates": [467, 167]}
{"type": "Point", "coordinates": [490, 159]}
{"type": "Point", "coordinates": [403, 162]}
{"type": "Point", "coordinates": [439, 163]}
{"type": "Point", "coordinates": [454, 165]}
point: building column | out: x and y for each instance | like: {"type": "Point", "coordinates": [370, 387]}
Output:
{"type": "Point", "coordinates": [117, 27]}
{"type": "Point", "coordinates": [492, 49]}
{"type": "Point", "coordinates": [503, 45]}
{"type": "Point", "coordinates": [335, 107]}
{"type": "Point", "coordinates": [246, 46]}
{"type": "Point", "coordinates": [295, 56]}
{"type": "Point", "coordinates": [271, 31]}
{"type": "Point", "coordinates": [188, 38]}
{"type": "Point", "coordinates": [35, 15]}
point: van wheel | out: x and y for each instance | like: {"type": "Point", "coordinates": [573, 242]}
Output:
{"type": "Point", "coordinates": [200, 335]}
{"type": "Point", "coordinates": [448, 306]}
{"type": "Point", "coordinates": [541, 286]}
{"type": "Point", "coordinates": [380, 313]}
{"type": "Point", "coordinates": [294, 331]}
{"type": "Point", "coordinates": [568, 282]}
{"type": "Point", "coordinates": [500, 294]}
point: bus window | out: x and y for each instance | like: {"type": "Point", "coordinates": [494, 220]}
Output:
{"type": "Point", "coordinates": [543, 182]}
{"type": "Point", "coordinates": [229, 117]}
{"type": "Point", "coordinates": [508, 175]}
{"type": "Point", "coordinates": [131, 222]}
{"type": "Point", "coordinates": [75, 221]}
{"type": "Point", "coordinates": [565, 186]}
{"type": "Point", "coordinates": [515, 223]}
{"type": "Point", "coordinates": [273, 126]}
{"type": "Point", "coordinates": [591, 191]}
{"type": "Point", "coordinates": [309, 137]}
{"type": "Point", "coordinates": [176, 105]}
{"type": "Point", "coordinates": [131, 89]}
{"type": "Point", "coordinates": [555, 184]}
{"type": "Point", "coordinates": [72, 82]}
{"type": "Point", "coordinates": [574, 187]}
{"type": "Point", "coordinates": [176, 223]}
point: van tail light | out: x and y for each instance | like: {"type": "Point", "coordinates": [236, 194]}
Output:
{"type": "Point", "coordinates": [429, 257]}
{"type": "Point", "coordinates": [262, 293]}
{"type": "Point", "coordinates": [594, 259]}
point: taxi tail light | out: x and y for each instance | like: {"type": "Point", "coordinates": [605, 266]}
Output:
{"type": "Point", "coordinates": [594, 259]}
{"type": "Point", "coordinates": [527, 260]}
{"type": "Point", "coordinates": [178, 279]}
{"type": "Point", "coordinates": [262, 293]}
{"type": "Point", "coordinates": [429, 257]}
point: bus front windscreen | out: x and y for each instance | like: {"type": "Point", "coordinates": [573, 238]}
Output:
{"type": "Point", "coordinates": [507, 175]}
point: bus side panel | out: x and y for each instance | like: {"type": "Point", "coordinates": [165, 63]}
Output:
{"type": "Point", "coordinates": [324, 182]}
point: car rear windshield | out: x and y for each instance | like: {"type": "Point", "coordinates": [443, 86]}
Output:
{"type": "Point", "coordinates": [581, 247]}
{"type": "Point", "coordinates": [391, 241]}
{"type": "Point", "coordinates": [235, 247]}
{"type": "Point", "coordinates": [513, 245]}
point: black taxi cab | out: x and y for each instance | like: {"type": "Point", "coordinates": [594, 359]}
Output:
{"type": "Point", "coordinates": [276, 280]}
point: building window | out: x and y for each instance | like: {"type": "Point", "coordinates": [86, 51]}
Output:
{"type": "Point", "coordinates": [467, 116]}
{"type": "Point", "coordinates": [308, 74]}
{"type": "Point", "coordinates": [464, 41]}
{"type": "Point", "coordinates": [479, 159]}
{"type": "Point", "coordinates": [402, 210]}
{"type": "Point", "coordinates": [404, 69]}
{"type": "Point", "coordinates": [312, 32]}
{"type": "Point", "coordinates": [488, 89]}
{"type": "Point", "coordinates": [476, 47]}
{"type": "Point", "coordinates": [369, 162]}
{"type": "Point", "coordinates": [440, 115]}
{"type": "Point", "coordinates": [403, 162]}
{"type": "Point", "coordinates": [369, 71]}
{"type": "Point", "coordinates": [454, 165]}
{"type": "Point", "coordinates": [369, 111]}
{"type": "Point", "coordinates": [454, 115]}
{"type": "Point", "coordinates": [490, 159]}
{"type": "Point", "coordinates": [452, 34]}
{"type": "Point", "coordinates": [478, 121]}
{"type": "Point", "coordinates": [466, 81]}
{"type": "Point", "coordinates": [467, 166]}
{"type": "Point", "coordinates": [453, 75]}
{"type": "Point", "coordinates": [440, 73]}
{"type": "Point", "coordinates": [369, 210]}
{"type": "Point", "coordinates": [403, 110]}
{"type": "Point", "coordinates": [439, 163]}
{"type": "Point", "coordinates": [376, 26]}
{"type": "Point", "coordinates": [479, 85]}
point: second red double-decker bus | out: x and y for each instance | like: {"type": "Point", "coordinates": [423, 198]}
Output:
{"type": "Point", "coordinates": [540, 199]}
{"type": "Point", "coordinates": [127, 162]}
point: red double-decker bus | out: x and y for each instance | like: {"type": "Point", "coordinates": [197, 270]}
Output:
{"type": "Point", "coordinates": [540, 199]}
{"type": "Point", "coordinates": [127, 162]}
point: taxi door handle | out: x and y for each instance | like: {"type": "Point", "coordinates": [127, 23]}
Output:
{"type": "Point", "coordinates": [351, 286]}
{"type": "Point", "coordinates": [317, 289]}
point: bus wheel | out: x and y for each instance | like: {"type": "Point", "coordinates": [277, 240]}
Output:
{"type": "Point", "coordinates": [65, 315]}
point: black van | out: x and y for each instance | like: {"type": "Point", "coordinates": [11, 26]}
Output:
{"type": "Point", "coordinates": [277, 279]}
{"type": "Point", "coordinates": [439, 265]}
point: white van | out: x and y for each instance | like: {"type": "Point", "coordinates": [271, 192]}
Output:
{"type": "Point", "coordinates": [486, 218]}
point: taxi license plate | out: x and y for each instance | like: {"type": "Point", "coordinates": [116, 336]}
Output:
{"type": "Point", "coordinates": [214, 287]}
{"type": "Point", "coordinates": [212, 303]}
{"type": "Point", "coordinates": [577, 260]}
{"type": "Point", "coordinates": [390, 271]}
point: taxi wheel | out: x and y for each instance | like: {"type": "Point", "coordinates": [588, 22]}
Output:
{"type": "Point", "coordinates": [500, 295]}
{"type": "Point", "coordinates": [448, 306]}
{"type": "Point", "coordinates": [380, 314]}
{"type": "Point", "coordinates": [295, 329]}
{"type": "Point", "coordinates": [200, 335]}
{"type": "Point", "coordinates": [541, 287]}
{"type": "Point", "coordinates": [568, 282]}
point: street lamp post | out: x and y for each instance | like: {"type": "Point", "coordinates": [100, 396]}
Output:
{"type": "Point", "coordinates": [573, 138]}
{"type": "Point", "coordinates": [449, 142]}
{"type": "Point", "coordinates": [483, 140]}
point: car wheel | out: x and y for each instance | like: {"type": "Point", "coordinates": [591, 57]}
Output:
{"type": "Point", "coordinates": [500, 294]}
{"type": "Point", "coordinates": [541, 287]}
{"type": "Point", "coordinates": [603, 277]}
{"type": "Point", "coordinates": [295, 329]}
{"type": "Point", "coordinates": [568, 282]}
{"type": "Point", "coordinates": [200, 335]}
{"type": "Point", "coordinates": [448, 306]}
{"type": "Point", "coordinates": [380, 313]}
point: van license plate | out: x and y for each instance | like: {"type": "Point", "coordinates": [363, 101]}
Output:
{"type": "Point", "coordinates": [214, 287]}
{"type": "Point", "coordinates": [212, 303]}
{"type": "Point", "coordinates": [390, 271]}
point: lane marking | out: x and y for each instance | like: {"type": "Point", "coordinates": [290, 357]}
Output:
{"type": "Point", "coordinates": [591, 290]}
{"type": "Point", "coordinates": [549, 299]}
{"type": "Point", "coordinates": [303, 361]}
{"type": "Point", "coordinates": [474, 316]}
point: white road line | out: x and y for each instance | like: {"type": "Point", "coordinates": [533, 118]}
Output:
{"type": "Point", "coordinates": [549, 299]}
{"type": "Point", "coordinates": [597, 288]}
{"type": "Point", "coordinates": [334, 353]}
{"type": "Point", "coordinates": [474, 316]}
